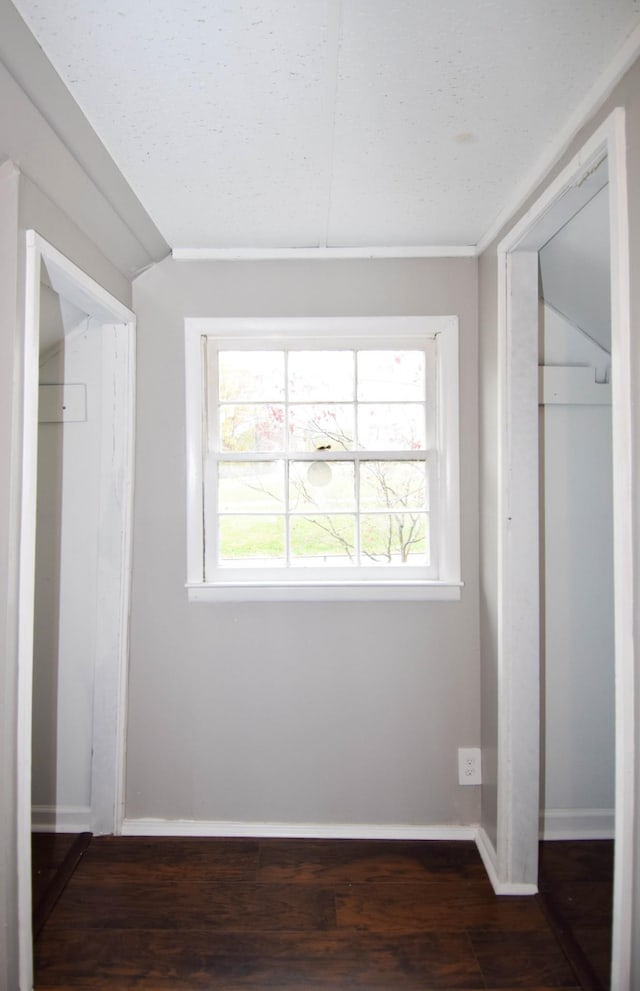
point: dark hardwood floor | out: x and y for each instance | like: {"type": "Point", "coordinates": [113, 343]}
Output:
{"type": "Point", "coordinates": [177, 914]}
{"type": "Point", "coordinates": [576, 882]}
{"type": "Point", "coordinates": [54, 857]}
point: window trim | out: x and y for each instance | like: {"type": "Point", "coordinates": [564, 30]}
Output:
{"type": "Point", "coordinates": [329, 331]}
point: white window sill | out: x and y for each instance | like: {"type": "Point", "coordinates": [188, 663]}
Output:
{"type": "Point", "coordinates": [325, 591]}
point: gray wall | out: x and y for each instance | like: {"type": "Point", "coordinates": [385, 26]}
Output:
{"type": "Point", "coordinates": [302, 712]}
{"type": "Point", "coordinates": [627, 95]}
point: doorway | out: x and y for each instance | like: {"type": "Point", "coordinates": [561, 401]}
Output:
{"type": "Point", "coordinates": [519, 640]}
{"type": "Point", "coordinates": [85, 785]}
{"type": "Point", "coordinates": [577, 785]}
{"type": "Point", "coordinates": [576, 529]}
{"type": "Point", "coordinates": [68, 513]}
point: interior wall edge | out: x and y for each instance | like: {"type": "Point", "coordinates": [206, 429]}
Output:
{"type": "Point", "coordinates": [36, 76]}
{"type": "Point", "coordinates": [29, 140]}
{"type": "Point", "coordinates": [489, 857]}
{"type": "Point", "coordinates": [553, 156]}
{"type": "Point", "coordinates": [60, 819]}
{"type": "Point", "coordinates": [577, 824]}
{"type": "Point", "coordinates": [10, 400]}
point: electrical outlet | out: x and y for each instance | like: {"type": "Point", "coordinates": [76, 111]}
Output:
{"type": "Point", "coordinates": [469, 766]}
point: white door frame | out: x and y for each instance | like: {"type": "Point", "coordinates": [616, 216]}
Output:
{"type": "Point", "coordinates": [518, 619]}
{"type": "Point", "coordinates": [114, 551]}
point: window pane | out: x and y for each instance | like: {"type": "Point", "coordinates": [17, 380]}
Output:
{"type": "Point", "coordinates": [391, 427]}
{"type": "Point", "coordinates": [255, 487]}
{"type": "Point", "coordinates": [393, 485]}
{"type": "Point", "coordinates": [391, 375]}
{"type": "Point", "coordinates": [246, 376]}
{"type": "Point", "coordinates": [393, 538]}
{"type": "Point", "coordinates": [251, 428]}
{"type": "Point", "coordinates": [317, 540]}
{"type": "Point", "coordinates": [251, 540]}
{"type": "Point", "coordinates": [314, 426]}
{"type": "Point", "coordinates": [324, 485]}
{"type": "Point", "coordinates": [324, 375]}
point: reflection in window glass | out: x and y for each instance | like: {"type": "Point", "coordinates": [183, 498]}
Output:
{"type": "Point", "coordinates": [327, 376]}
{"type": "Point", "coordinates": [314, 426]}
{"type": "Point", "coordinates": [244, 428]}
{"type": "Point", "coordinates": [328, 486]}
{"type": "Point", "coordinates": [391, 376]}
{"type": "Point", "coordinates": [322, 540]}
{"type": "Point", "coordinates": [390, 538]}
{"type": "Point", "coordinates": [251, 540]}
{"type": "Point", "coordinates": [391, 427]}
{"type": "Point", "coordinates": [246, 376]}
{"type": "Point", "coordinates": [254, 486]}
{"type": "Point", "coordinates": [327, 457]}
{"type": "Point", "coordinates": [393, 485]}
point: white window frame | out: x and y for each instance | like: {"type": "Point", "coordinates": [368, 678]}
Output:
{"type": "Point", "coordinates": [327, 332]}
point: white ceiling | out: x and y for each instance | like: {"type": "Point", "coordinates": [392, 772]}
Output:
{"type": "Point", "coordinates": [304, 123]}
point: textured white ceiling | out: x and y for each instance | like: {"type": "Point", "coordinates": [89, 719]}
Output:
{"type": "Point", "coordinates": [303, 123]}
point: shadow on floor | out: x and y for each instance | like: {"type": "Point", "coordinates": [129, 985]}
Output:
{"type": "Point", "coordinates": [54, 858]}
{"type": "Point", "coordinates": [576, 890]}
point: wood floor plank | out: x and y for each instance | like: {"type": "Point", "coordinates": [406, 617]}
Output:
{"type": "Point", "coordinates": [48, 850]}
{"type": "Point", "coordinates": [48, 853]}
{"type": "Point", "coordinates": [576, 885]}
{"type": "Point", "coordinates": [169, 858]}
{"type": "Point", "coordinates": [367, 861]}
{"type": "Point", "coordinates": [40, 880]}
{"type": "Point", "coordinates": [43, 908]}
{"type": "Point", "coordinates": [585, 904]}
{"type": "Point", "coordinates": [598, 944]}
{"type": "Point", "coordinates": [576, 860]}
{"type": "Point", "coordinates": [442, 907]}
{"type": "Point", "coordinates": [185, 960]}
{"type": "Point", "coordinates": [231, 906]}
{"type": "Point", "coordinates": [522, 959]}
{"type": "Point", "coordinates": [157, 915]}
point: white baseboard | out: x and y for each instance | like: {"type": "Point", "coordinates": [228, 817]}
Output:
{"type": "Point", "coordinates": [487, 851]}
{"type": "Point", "coordinates": [488, 854]}
{"type": "Point", "coordinates": [60, 819]}
{"type": "Point", "coordinates": [294, 830]}
{"type": "Point", "coordinates": [577, 824]}
{"type": "Point", "coordinates": [330, 831]}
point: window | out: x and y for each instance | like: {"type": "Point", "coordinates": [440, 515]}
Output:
{"type": "Point", "coordinates": [322, 458]}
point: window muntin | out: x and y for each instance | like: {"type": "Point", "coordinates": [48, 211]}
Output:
{"type": "Point", "coordinates": [324, 457]}
{"type": "Point", "coordinates": [350, 504]}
